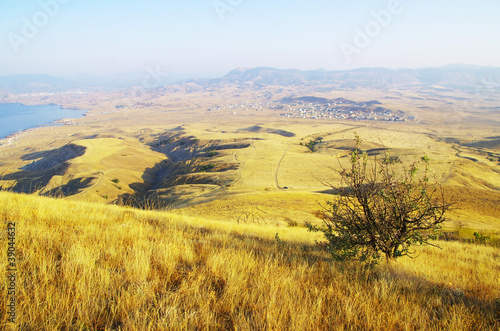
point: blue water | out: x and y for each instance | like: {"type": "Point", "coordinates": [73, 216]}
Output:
{"type": "Point", "coordinates": [15, 116]}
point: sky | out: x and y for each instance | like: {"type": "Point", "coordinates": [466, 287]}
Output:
{"type": "Point", "coordinates": [63, 37]}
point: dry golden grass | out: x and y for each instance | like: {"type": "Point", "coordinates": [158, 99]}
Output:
{"type": "Point", "coordinates": [107, 159]}
{"type": "Point", "coordinates": [85, 266]}
{"type": "Point", "coordinates": [273, 208]}
{"type": "Point", "coordinates": [217, 265]}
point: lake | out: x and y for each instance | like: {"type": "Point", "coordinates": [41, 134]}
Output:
{"type": "Point", "coordinates": [15, 116]}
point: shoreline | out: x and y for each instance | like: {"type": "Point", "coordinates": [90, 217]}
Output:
{"type": "Point", "coordinates": [12, 137]}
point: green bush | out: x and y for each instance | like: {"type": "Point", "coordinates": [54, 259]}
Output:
{"type": "Point", "coordinates": [207, 167]}
{"type": "Point", "coordinates": [479, 238]}
{"type": "Point", "coordinates": [381, 211]}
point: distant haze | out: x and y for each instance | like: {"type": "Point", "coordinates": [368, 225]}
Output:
{"type": "Point", "coordinates": [461, 77]}
{"type": "Point", "coordinates": [211, 37]}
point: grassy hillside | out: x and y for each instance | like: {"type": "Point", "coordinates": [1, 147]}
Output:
{"type": "Point", "coordinates": [203, 166]}
{"type": "Point", "coordinates": [104, 169]}
{"type": "Point", "coordinates": [87, 266]}
{"type": "Point", "coordinates": [233, 178]}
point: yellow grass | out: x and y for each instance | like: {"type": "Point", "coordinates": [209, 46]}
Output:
{"type": "Point", "coordinates": [106, 159]}
{"type": "Point", "coordinates": [215, 263]}
{"type": "Point", "coordinates": [84, 266]}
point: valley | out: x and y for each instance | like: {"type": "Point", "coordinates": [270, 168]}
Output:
{"type": "Point", "coordinates": [191, 148]}
{"type": "Point", "coordinates": [187, 206]}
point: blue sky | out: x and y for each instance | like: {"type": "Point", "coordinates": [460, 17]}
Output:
{"type": "Point", "coordinates": [192, 36]}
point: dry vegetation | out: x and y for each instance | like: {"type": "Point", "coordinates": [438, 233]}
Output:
{"type": "Point", "coordinates": [214, 260]}
{"type": "Point", "coordinates": [86, 266]}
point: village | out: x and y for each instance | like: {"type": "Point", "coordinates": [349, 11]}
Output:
{"type": "Point", "coordinates": [320, 108]}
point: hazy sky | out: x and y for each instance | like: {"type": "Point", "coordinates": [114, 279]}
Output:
{"type": "Point", "coordinates": [215, 36]}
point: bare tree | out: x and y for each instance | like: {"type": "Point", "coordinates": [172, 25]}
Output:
{"type": "Point", "coordinates": [380, 211]}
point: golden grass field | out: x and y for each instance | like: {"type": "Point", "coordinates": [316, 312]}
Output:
{"type": "Point", "coordinates": [87, 266]}
{"type": "Point", "coordinates": [239, 179]}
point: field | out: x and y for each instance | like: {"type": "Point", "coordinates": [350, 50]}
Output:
{"type": "Point", "coordinates": [90, 266]}
{"type": "Point", "coordinates": [226, 247]}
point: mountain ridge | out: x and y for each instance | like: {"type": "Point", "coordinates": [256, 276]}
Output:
{"type": "Point", "coordinates": [457, 76]}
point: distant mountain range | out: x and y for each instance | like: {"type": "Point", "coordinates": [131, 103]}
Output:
{"type": "Point", "coordinates": [34, 83]}
{"type": "Point", "coordinates": [48, 83]}
{"type": "Point", "coordinates": [451, 76]}
{"type": "Point", "coordinates": [455, 76]}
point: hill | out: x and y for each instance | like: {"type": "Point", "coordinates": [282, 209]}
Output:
{"type": "Point", "coordinates": [268, 169]}
{"type": "Point", "coordinates": [455, 76]}
{"type": "Point", "coordinates": [460, 77]}
{"type": "Point", "coordinates": [233, 177]}
{"type": "Point", "coordinates": [89, 169]}
{"type": "Point", "coordinates": [43, 83]}
{"type": "Point", "coordinates": [91, 266]}
{"type": "Point", "coordinates": [34, 83]}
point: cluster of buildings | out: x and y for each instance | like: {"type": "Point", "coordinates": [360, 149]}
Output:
{"type": "Point", "coordinates": [244, 105]}
{"type": "Point", "coordinates": [341, 109]}
{"type": "Point", "coordinates": [320, 108]}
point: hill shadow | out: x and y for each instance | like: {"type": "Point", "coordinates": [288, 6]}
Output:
{"type": "Point", "coordinates": [260, 129]}
{"type": "Point", "coordinates": [170, 182]}
{"type": "Point", "coordinates": [73, 187]}
{"type": "Point", "coordinates": [47, 164]}
{"type": "Point", "coordinates": [52, 158]}
{"type": "Point", "coordinates": [27, 181]}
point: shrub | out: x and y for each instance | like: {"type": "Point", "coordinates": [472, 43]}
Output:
{"type": "Point", "coordinates": [291, 223]}
{"type": "Point", "coordinates": [207, 167]}
{"type": "Point", "coordinates": [380, 212]}
{"type": "Point", "coordinates": [480, 238]}
{"type": "Point", "coordinates": [312, 143]}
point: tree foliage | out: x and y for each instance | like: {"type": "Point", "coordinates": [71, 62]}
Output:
{"type": "Point", "coordinates": [380, 210]}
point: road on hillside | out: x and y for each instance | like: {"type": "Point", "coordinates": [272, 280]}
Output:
{"type": "Point", "coordinates": [260, 164]}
